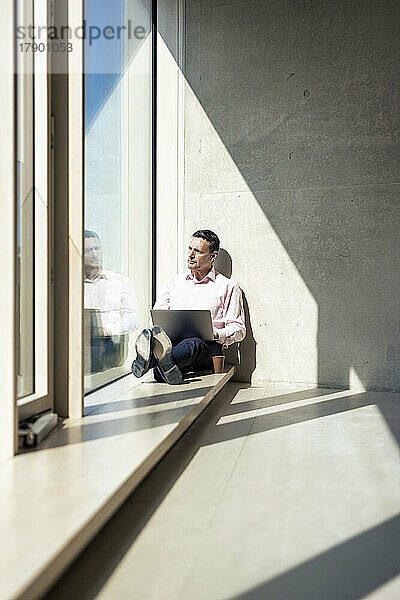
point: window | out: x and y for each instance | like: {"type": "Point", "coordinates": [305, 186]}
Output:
{"type": "Point", "coordinates": [25, 215]}
{"type": "Point", "coordinates": [32, 201]}
{"type": "Point", "coordinates": [118, 158]}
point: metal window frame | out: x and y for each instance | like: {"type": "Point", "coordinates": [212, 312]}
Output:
{"type": "Point", "coordinates": [8, 238]}
{"type": "Point", "coordinates": [65, 121]}
{"type": "Point", "coordinates": [67, 112]}
{"type": "Point", "coordinates": [42, 397]}
{"type": "Point", "coordinates": [154, 32]}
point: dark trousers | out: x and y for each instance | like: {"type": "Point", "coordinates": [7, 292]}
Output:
{"type": "Point", "coordinates": [192, 354]}
{"type": "Point", "coordinates": [106, 352]}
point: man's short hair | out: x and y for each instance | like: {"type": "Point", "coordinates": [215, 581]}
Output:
{"type": "Point", "coordinates": [92, 234]}
{"type": "Point", "coordinates": [210, 237]}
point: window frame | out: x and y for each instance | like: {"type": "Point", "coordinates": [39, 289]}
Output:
{"type": "Point", "coordinates": [42, 397]}
{"type": "Point", "coordinates": [8, 238]}
{"type": "Point", "coordinates": [64, 239]}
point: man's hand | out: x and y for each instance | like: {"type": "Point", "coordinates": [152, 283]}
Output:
{"type": "Point", "coordinates": [216, 335]}
{"type": "Point", "coordinates": [104, 332]}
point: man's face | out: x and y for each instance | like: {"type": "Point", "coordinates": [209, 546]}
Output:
{"type": "Point", "coordinates": [93, 253]}
{"type": "Point", "coordinates": [199, 256]}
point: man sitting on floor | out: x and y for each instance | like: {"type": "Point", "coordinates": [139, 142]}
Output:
{"type": "Point", "coordinates": [202, 287]}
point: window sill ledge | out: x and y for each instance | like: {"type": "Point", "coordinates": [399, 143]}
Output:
{"type": "Point", "coordinates": [55, 499]}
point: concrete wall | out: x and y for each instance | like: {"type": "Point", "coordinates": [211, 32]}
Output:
{"type": "Point", "coordinates": [292, 156]}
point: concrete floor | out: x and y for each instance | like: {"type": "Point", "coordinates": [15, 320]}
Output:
{"type": "Point", "coordinates": [275, 492]}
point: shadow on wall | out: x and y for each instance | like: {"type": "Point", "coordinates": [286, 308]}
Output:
{"type": "Point", "coordinates": [242, 355]}
{"type": "Point", "coordinates": [307, 110]}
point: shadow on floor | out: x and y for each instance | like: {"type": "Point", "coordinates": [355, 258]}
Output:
{"type": "Point", "coordinates": [75, 434]}
{"type": "Point", "coordinates": [346, 572]}
{"type": "Point", "coordinates": [145, 401]}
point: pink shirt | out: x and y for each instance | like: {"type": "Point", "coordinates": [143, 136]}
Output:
{"type": "Point", "coordinates": [214, 292]}
{"type": "Point", "coordinates": [113, 296]}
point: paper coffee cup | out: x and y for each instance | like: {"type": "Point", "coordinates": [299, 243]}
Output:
{"type": "Point", "coordinates": [218, 364]}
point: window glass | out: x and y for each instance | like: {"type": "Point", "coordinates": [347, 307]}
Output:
{"type": "Point", "coordinates": [117, 238]}
{"type": "Point", "coordinates": [25, 212]}
{"type": "Point", "coordinates": [33, 248]}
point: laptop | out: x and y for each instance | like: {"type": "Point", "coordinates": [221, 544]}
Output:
{"type": "Point", "coordinates": [180, 324]}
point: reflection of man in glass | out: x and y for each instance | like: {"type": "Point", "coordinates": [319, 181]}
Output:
{"type": "Point", "coordinates": [110, 305]}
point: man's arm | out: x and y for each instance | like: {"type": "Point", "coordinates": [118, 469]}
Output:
{"type": "Point", "coordinates": [234, 329]}
{"type": "Point", "coordinates": [163, 301]}
{"type": "Point", "coordinates": [129, 307]}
